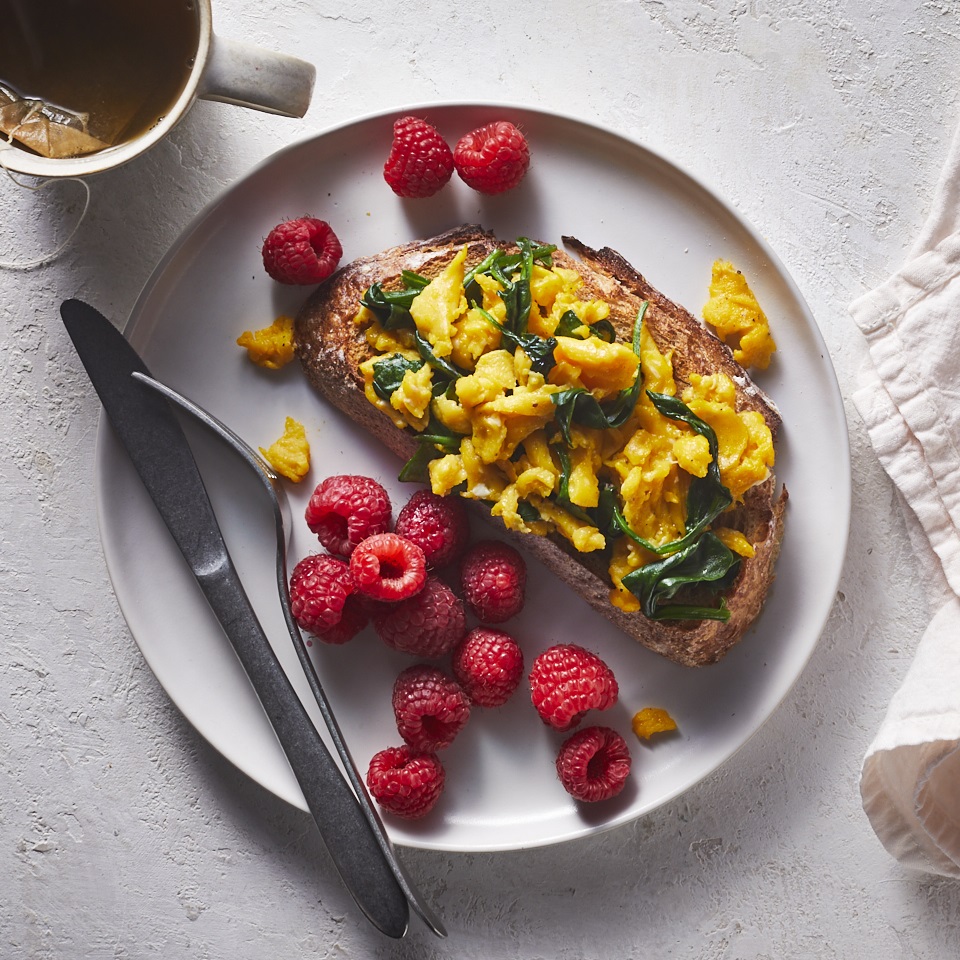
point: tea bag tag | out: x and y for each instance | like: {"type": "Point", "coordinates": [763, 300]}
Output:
{"type": "Point", "coordinates": [29, 264]}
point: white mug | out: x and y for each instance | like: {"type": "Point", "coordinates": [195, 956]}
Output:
{"type": "Point", "coordinates": [224, 70]}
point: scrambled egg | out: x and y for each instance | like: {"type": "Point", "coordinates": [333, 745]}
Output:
{"type": "Point", "coordinates": [505, 445]}
{"type": "Point", "coordinates": [290, 455]}
{"type": "Point", "coordinates": [651, 720]}
{"type": "Point", "coordinates": [271, 347]}
{"type": "Point", "coordinates": [735, 315]}
{"type": "Point", "coordinates": [744, 440]}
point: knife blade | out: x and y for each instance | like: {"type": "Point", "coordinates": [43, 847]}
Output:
{"type": "Point", "coordinates": [147, 428]}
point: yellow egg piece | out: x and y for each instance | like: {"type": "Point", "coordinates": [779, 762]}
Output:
{"type": "Point", "coordinates": [745, 443]}
{"type": "Point", "coordinates": [735, 315]}
{"type": "Point", "coordinates": [656, 366]}
{"type": "Point", "coordinates": [273, 346]}
{"type": "Point", "coordinates": [451, 414]}
{"type": "Point", "coordinates": [413, 396]}
{"type": "Point", "coordinates": [652, 720]}
{"type": "Point", "coordinates": [439, 305]}
{"type": "Point", "coordinates": [473, 336]}
{"type": "Point", "coordinates": [734, 540]}
{"type": "Point", "coordinates": [290, 455]}
{"type": "Point", "coordinates": [584, 536]}
{"type": "Point", "coordinates": [446, 473]}
{"type": "Point", "coordinates": [388, 341]}
{"type": "Point", "coordinates": [544, 286]}
{"type": "Point", "coordinates": [601, 366]}
{"type": "Point", "coordinates": [493, 377]}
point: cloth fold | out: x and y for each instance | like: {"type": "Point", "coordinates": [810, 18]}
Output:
{"type": "Point", "coordinates": [909, 398]}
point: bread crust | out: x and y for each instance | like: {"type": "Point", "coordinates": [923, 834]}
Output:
{"type": "Point", "coordinates": [331, 348]}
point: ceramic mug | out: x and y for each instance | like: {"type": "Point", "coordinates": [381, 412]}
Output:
{"type": "Point", "coordinates": [223, 70]}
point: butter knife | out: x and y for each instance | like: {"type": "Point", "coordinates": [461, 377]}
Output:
{"type": "Point", "coordinates": [147, 428]}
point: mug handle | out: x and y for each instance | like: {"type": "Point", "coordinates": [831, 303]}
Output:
{"type": "Point", "coordinates": [250, 76]}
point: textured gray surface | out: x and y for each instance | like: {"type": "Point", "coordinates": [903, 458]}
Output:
{"type": "Point", "coordinates": [123, 835]}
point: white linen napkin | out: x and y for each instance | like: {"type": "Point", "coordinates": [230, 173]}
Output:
{"type": "Point", "coordinates": [910, 401]}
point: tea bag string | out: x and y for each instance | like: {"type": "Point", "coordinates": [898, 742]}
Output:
{"type": "Point", "coordinates": [49, 257]}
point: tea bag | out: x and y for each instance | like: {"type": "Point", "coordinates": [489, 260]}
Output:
{"type": "Point", "coordinates": [46, 129]}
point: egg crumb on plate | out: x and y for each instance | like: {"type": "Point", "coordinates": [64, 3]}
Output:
{"type": "Point", "coordinates": [652, 720]}
{"type": "Point", "coordinates": [290, 455]}
{"type": "Point", "coordinates": [736, 316]}
{"type": "Point", "coordinates": [271, 347]}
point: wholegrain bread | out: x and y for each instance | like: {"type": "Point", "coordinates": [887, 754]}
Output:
{"type": "Point", "coordinates": [331, 347]}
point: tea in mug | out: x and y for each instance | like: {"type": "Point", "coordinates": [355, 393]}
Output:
{"type": "Point", "coordinates": [77, 76]}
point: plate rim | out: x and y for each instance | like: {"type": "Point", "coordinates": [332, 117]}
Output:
{"type": "Point", "coordinates": [844, 493]}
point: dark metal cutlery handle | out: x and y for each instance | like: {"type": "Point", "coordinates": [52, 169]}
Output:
{"type": "Point", "coordinates": [351, 843]}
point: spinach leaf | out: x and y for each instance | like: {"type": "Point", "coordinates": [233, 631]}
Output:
{"type": "Point", "coordinates": [528, 512]}
{"type": "Point", "coordinates": [542, 254]}
{"type": "Point", "coordinates": [413, 280]}
{"type": "Point", "coordinates": [706, 562]}
{"type": "Point", "coordinates": [442, 388]}
{"type": "Point", "coordinates": [435, 436]}
{"type": "Point", "coordinates": [570, 324]}
{"type": "Point", "coordinates": [500, 262]}
{"type": "Point", "coordinates": [538, 349]}
{"type": "Point", "coordinates": [607, 508]}
{"type": "Point", "coordinates": [392, 307]}
{"type": "Point", "coordinates": [441, 436]}
{"type": "Point", "coordinates": [627, 399]}
{"type": "Point", "coordinates": [515, 287]}
{"type": "Point", "coordinates": [578, 405]}
{"type": "Point", "coordinates": [388, 374]}
{"type": "Point", "coordinates": [484, 266]}
{"type": "Point", "coordinates": [510, 295]}
{"type": "Point", "coordinates": [415, 469]}
{"type": "Point", "coordinates": [604, 330]}
{"type": "Point", "coordinates": [446, 369]}
{"type": "Point", "coordinates": [523, 298]}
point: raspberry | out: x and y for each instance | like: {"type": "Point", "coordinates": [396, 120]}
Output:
{"type": "Point", "coordinates": [352, 621]}
{"type": "Point", "coordinates": [387, 567]}
{"type": "Point", "coordinates": [566, 681]}
{"type": "Point", "coordinates": [488, 665]}
{"type": "Point", "coordinates": [593, 764]}
{"type": "Point", "coordinates": [426, 625]}
{"type": "Point", "coordinates": [438, 525]}
{"type": "Point", "coordinates": [405, 782]}
{"type": "Point", "coordinates": [347, 509]}
{"type": "Point", "coordinates": [321, 601]}
{"type": "Point", "coordinates": [301, 251]}
{"type": "Point", "coordinates": [430, 707]}
{"type": "Point", "coordinates": [493, 158]}
{"type": "Point", "coordinates": [493, 578]}
{"type": "Point", "coordinates": [420, 161]}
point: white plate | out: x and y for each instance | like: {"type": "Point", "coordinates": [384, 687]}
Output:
{"type": "Point", "coordinates": [502, 792]}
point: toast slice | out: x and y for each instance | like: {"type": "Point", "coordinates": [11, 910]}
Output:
{"type": "Point", "coordinates": [331, 346]}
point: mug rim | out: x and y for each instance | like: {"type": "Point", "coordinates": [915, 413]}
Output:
{"type": "Point", "coordinates": [17, 160]}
